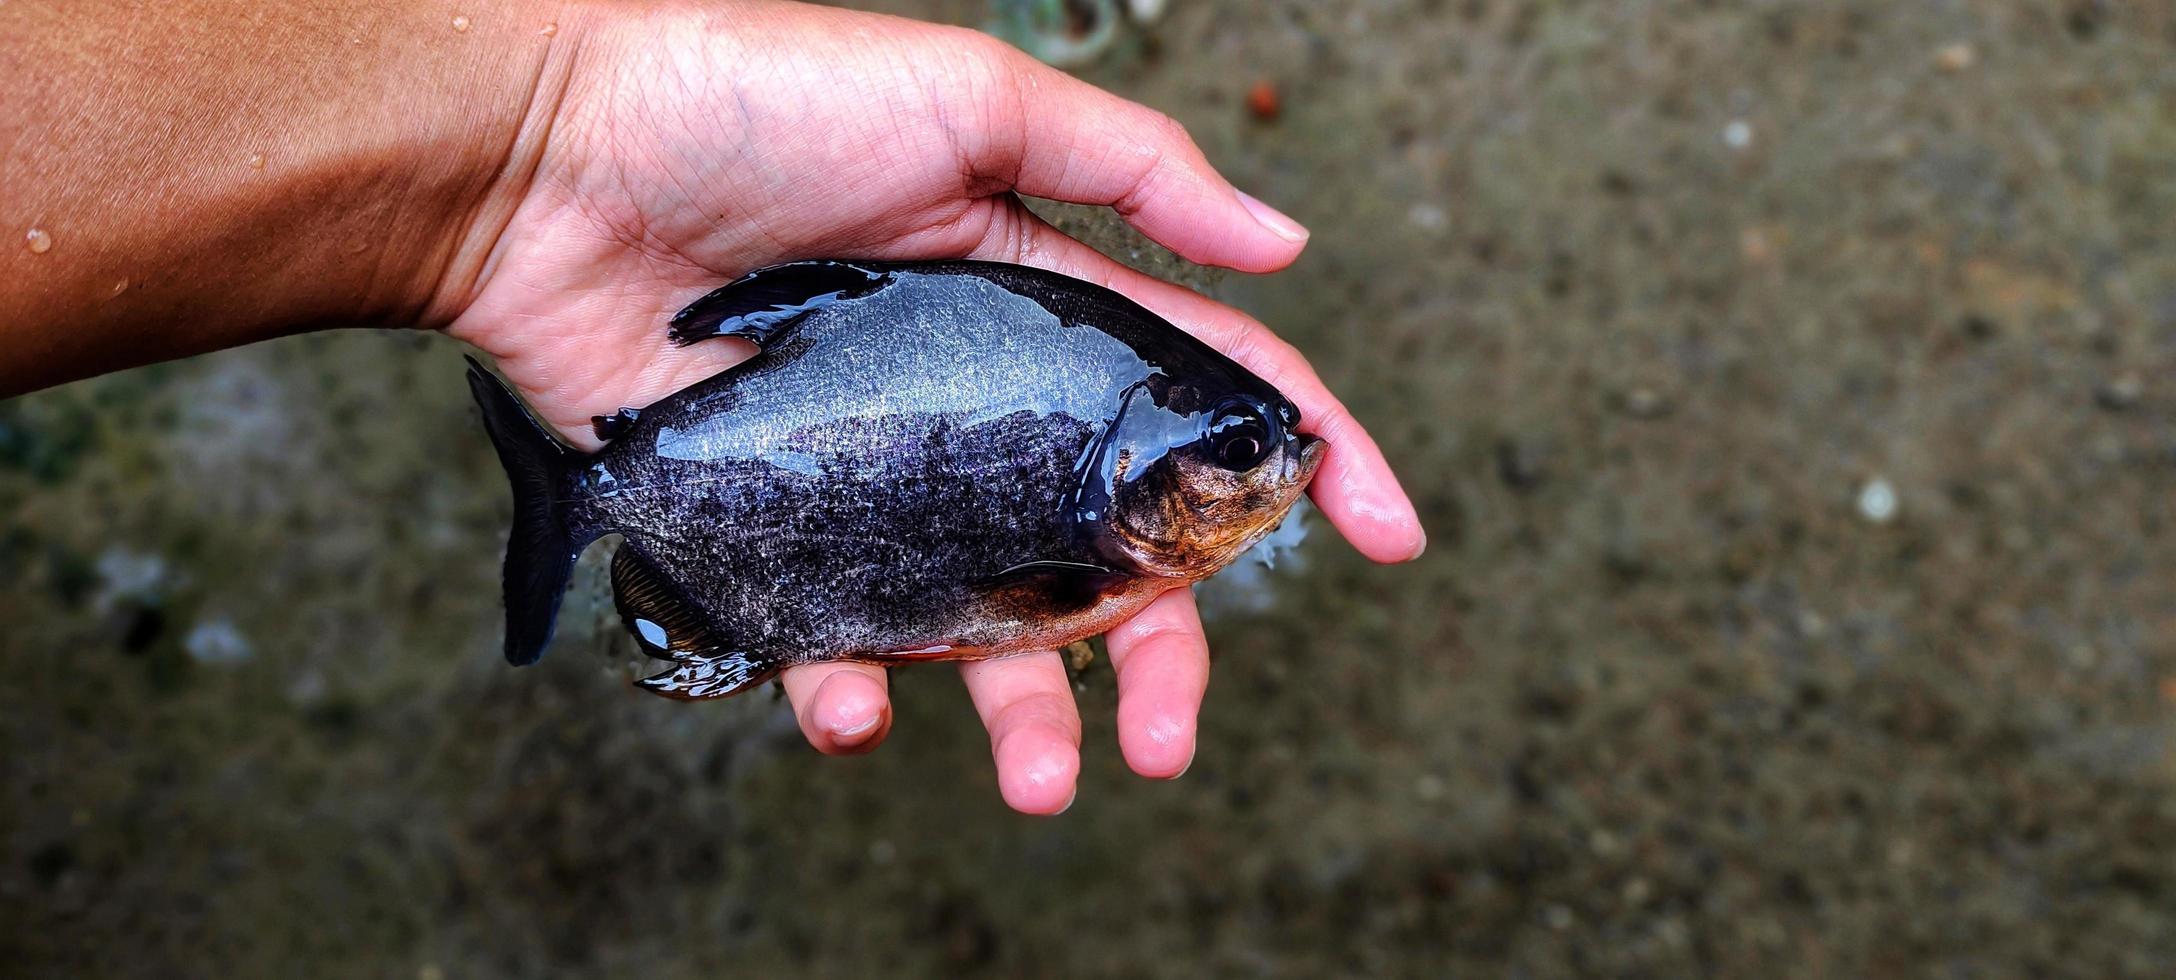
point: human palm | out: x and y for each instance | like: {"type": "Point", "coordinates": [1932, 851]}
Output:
{"type": "Point", "coordinates": [688, 147]}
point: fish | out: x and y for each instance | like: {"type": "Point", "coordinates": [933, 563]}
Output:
{"type": "Point", "coordinates": [938, 460]}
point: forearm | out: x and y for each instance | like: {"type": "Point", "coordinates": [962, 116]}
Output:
{"type": "Point", "coordinates": [180, 177]}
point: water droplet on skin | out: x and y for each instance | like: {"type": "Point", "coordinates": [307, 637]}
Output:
{"type": "Point", "coordinates": [256, 161]}
{"type": "Point", "coordinates": [548, 30]}
{"type": "Point", "coordinates": [39, 241]}
{"type": "Point", "coordinates": [460, 24]}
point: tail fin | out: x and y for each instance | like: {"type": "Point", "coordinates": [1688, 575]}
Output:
{"type": "Point", "coordinates": [540, 553]}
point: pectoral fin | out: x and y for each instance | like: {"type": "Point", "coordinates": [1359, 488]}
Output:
{"type": "Point", "coordinates": [1056, 587]}
{"type": "Point", "coordinates": [765, 303]}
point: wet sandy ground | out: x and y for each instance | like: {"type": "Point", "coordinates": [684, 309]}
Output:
{"type": "Point", "coordinates": [1788, 389]}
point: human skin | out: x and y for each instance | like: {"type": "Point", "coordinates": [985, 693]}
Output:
{"type": "Point", "coordinates": [549, 182]}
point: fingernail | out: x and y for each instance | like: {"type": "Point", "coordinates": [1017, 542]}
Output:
{"type": "Point", "coordinates": [1068, 802]}
{"type": "Point", "coordinates": [1419, 547]}
{"type": "Point", "coordinates": [849, 733]}
{"type": "Point", "coordinates": [1276, 221]}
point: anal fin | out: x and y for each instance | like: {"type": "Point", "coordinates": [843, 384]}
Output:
{"type": "Point", "coordinates": [697, 678]}
{"type": "Point", "coordinates": [668, 626]}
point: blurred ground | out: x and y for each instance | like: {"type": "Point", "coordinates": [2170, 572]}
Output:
{"type": "Point", "coordinates": [1788, 388]}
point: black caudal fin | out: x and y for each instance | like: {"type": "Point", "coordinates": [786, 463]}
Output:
{"type": "Point", "coordinates": [762, 304]}
{"type": "Point", "coordinates": [540, 553]}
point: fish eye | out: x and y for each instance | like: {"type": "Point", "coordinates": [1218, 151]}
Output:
{"type": "Point", "coordinates": [1238, 436]}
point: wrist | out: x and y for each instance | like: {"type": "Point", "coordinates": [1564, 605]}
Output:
{"type": "Point", "coordinates": [505, 104]}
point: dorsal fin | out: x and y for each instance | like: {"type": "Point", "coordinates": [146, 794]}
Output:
{"type": "Point", "coordinates": [762, 304]}
{"type": "Point", "coordinates": [656, 611]}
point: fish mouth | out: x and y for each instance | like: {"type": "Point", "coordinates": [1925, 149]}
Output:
{"type": "Point", "coordinates": [1304, 461]}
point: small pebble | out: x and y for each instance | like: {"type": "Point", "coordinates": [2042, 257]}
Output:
{"type": "Point", "coordinates": [1753, 243]}
{"type": "Point", "coordinates": [2121, 392]}
{"type": "Point", "coordinates": [1877, 501]}
{"type": "Point", "coordinates": [38, 241]}
{"type": "Point", "coordinates": [217, 641]}
{"type": "Point", "coordinates": [1427, 217]}
{"type": "Point", "coordinates": [1559, 917]}
{"type": "Point", "coordinates": [1895, 146]}
{"type": "Point", "coordinates": [1428, 787]}
{"type": "Point", "coordinates": [1521, 464]}
{"type": "Point", "coordinates": [307, 688]}
{"type": "Point", "coordinates": [1646, 403]}
{"type": "Point", "coordinates": [460, 23]}
{"type": "Point", "coordinates": [1954, 57]}
{"type": "Point", "coordinates": [882, 851]}
{"type": "Point", "coordinates": [130, 577]}
{"type": "Point", "coordinates": [1738, 135]}
{"type": "Point", "coordinates": [1263, 102]}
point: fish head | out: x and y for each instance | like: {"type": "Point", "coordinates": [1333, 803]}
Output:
{"type": "Point", "coordinates": [1188, 492]}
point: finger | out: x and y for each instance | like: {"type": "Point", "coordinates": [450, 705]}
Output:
{"type": "Point", "coordinates": [1355, 487]}
{"type": "Point", "coordinates": [1065, 139]}
{"type": "Point", "coordinates": [1162, 660]}
{"type": "Point", "coordinates": [1027, 705]}
{"type": "Point", "coordinates": [843, 708]}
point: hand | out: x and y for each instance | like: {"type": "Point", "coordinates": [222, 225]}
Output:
{"type": "Point", "coordinates": [550, 181]}
{"type": "Point", "coordinates": [689, 146]}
